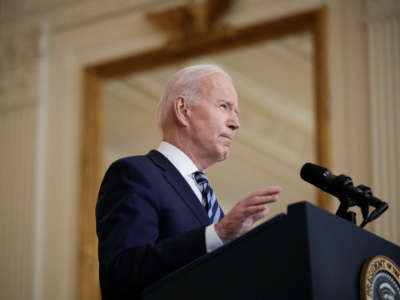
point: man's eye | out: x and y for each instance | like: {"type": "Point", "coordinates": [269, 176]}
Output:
{"type": "Point", "coordinates": [224, 106]}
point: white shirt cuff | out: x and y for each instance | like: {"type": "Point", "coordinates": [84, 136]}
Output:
{"type": "Point", "coordinates": [212, 239]}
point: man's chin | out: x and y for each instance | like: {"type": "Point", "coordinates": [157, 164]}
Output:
{"type": "Point", "coordinates": [224, 155]}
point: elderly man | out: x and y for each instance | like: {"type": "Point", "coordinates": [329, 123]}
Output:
{"type": "Point", "coordinates": [157, 212]}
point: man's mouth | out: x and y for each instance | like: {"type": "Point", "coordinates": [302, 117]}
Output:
{"type": "Point", "coordinates": [227, 136]}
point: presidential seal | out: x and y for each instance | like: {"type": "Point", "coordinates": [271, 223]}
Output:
{"type": "Point", "coordinates": [380, 279]}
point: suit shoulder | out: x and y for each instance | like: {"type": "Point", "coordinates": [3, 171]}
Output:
{"type": "Point", "coordinates": [152, 160]}
{"type": "Point", "coordinates": [138, 166]}
{"type": "Point", "coordinates": [130, 161]}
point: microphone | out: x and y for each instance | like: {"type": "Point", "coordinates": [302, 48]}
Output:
{"type": "Point", "coordinates": [342, 187]}
{"type": "Point", "coordinates": [338, 186]}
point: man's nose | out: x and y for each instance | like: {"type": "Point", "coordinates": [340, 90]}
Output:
{"type": "Point", "coordinates": [233, 122]}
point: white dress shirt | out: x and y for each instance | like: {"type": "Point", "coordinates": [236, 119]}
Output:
{"type": "Point", "coordinates": [186, 168]}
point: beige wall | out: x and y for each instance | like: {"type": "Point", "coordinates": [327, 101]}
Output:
{"type": "Point", "coordinates": [44, 46]}
{"type": "Point", "coordinates": [383, 34]}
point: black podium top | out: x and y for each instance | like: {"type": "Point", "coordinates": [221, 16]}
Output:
{"type": "Point", "coordinates": [307, 254]}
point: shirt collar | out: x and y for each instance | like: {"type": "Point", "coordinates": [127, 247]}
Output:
{"type": "Point", "coordinates": [178, 158]}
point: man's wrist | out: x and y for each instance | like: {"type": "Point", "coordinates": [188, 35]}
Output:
{"type": "Point", "coordinates": [222, 234]}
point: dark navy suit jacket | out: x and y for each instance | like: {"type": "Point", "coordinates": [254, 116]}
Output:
{"type": "Point", "coordinates": [149, 223]}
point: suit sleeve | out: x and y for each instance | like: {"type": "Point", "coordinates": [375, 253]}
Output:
{"type": "Point", "coordinates": [131, 254]}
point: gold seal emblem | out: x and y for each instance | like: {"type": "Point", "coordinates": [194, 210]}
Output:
{"type": "Point", "coordinates": [380, 279]}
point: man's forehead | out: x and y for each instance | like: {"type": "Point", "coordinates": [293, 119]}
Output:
{"type": "Point", "coordinates": [218, 83]}
{"type": "Point", "coordinates": [214, 79]}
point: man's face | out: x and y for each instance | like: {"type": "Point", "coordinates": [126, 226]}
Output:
{"type": "Point", "coordinates": [214, 119]}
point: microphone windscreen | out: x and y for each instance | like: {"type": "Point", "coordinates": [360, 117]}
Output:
{"type": "Point", "coordinates": [315, 175]}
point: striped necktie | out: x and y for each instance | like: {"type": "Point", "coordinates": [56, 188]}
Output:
{"type": "Point", "coordinates": [211, 204]}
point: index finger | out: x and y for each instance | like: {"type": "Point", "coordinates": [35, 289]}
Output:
{"type": "Point", "coordinates": [272, 190]}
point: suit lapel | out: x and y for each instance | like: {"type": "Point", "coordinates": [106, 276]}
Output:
{"type": "Point", "coordinates": [182, 188]}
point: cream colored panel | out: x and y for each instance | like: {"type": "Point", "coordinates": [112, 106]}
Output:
{"type": "Point", "coordinates": [18, 69]}
{"type": "Point", "coordinates": [17, 179]}
{"type": "Point", "coordinates": [61, 178]}
{"type": "Point", "coordinates": [384, 62]}
{"type": "Point", "coordinates": [17, 8]}
{"type": "Point", "coordinates": [73, 15]}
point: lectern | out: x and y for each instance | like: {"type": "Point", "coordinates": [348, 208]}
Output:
{"type": "Point", "coordinates": [306, 254]}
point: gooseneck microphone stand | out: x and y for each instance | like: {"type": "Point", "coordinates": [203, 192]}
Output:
{"type": "Point", "coordinates": [361, 197]}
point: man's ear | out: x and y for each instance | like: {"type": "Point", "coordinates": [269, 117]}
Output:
{"type": "Point", "coordinates": [181, 110]}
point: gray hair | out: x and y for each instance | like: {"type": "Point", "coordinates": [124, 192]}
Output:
{"type": "Point", "coordinates": [185, 83]}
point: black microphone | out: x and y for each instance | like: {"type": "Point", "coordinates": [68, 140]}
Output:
{"type": "Point", "coordinates": [338, 186]}
{"type": "Point", "coordinates": [342, 187]}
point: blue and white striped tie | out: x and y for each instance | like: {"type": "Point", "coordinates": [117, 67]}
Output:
{"type": "Point", "coordinates": [211, 204]}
